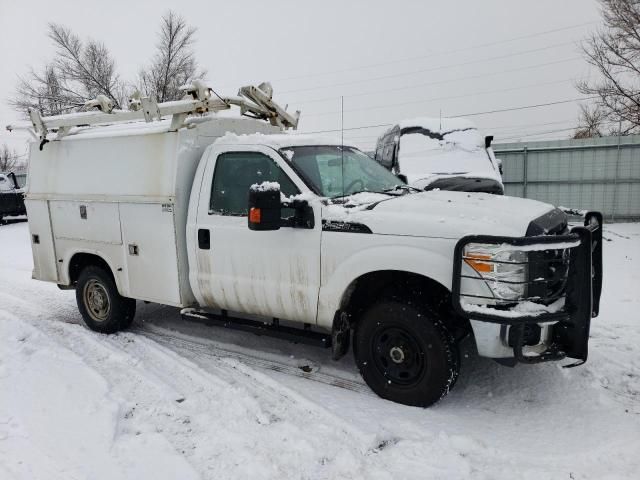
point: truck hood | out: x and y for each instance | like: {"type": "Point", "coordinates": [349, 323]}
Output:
{"type": "Point", "coordinates": [443, 214]}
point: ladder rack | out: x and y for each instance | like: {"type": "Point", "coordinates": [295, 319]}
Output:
{"type": "Point", "coordinates": [254, 102]}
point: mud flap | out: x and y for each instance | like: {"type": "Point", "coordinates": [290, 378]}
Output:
{"type": "Point", "coordinates": [340, 336]}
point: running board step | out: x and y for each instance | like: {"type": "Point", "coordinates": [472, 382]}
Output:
{"type": "Point", "coordinates": [273, 329]}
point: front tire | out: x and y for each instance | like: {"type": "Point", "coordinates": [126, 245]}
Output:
{"type": "Point", "coordinates": [102, 308]}
{"type": "Point", "coordinates": [405, 353]}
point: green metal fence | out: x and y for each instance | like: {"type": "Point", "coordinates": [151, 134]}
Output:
{"type": "Point", "coordinates": [591, 174]}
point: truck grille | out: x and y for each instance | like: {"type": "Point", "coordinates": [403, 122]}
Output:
{"type": "Point", "coordinates": [548, 269]}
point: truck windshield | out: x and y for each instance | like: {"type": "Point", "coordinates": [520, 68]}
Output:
{"type": "Point", "coordinates": [335, 171]}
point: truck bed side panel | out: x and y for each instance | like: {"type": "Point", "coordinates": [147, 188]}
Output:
{"type": "Point", "coordinates": [42, 246]}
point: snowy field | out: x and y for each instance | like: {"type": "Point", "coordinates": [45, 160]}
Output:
{"type": "Point", "coordinates": [176, 400]}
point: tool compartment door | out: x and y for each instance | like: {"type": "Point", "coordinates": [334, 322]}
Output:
{"type": "Point", "coordinates": [148, 231]}
{"type": "Point", "coordinates": [42, 246]}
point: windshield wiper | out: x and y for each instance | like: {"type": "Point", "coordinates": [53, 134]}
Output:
{"type": "Point", "coordinates": [353, 193]}
{"type": "Point", "coordinates": [405, 188]}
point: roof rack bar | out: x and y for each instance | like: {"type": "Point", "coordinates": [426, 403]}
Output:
{"type": "Point", "coordinates": [255, 102]}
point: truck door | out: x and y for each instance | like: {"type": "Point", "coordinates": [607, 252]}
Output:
{"type": "Point", "coordinates": [268, 273]}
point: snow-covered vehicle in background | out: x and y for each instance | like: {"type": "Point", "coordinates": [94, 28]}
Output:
{"type": "Point", "coordinates": [302, 237]}
{"type": "Point", "coordinates": [442, 153]}
{"type": "Point", "coordinates": [11, 196]}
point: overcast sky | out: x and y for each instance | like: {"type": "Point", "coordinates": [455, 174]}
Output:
{"type": "Point", "coordinates": [389, 59]}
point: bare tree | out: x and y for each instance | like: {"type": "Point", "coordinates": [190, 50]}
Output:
{"type": "Point", "coordinates": [8, 159]}
{"type": "Point", "coordinates": [615, 54]}
{"type": "Point", "coordinates": [79, 72]}
{"type": "Point", "coordinates": [591, 122]}
{"type": "Point", "coordinates": [82, 70]}
{"type": "Point", "coordinates": [174, 63]}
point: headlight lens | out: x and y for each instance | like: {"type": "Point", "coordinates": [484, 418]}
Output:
{"type": "Point", "coordinates": [502, 267]}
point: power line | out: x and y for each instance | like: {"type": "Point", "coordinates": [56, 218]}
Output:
{"type": "Point", "coordinates": [547, 132]}
{"type": "Point", "coordinates": [492, 130]}
{"type": "Point", "coordinates": [441, 67]}
{"type": "Point", "coordinates": [446, 81]}
{"type": "Point", "coordinates": [525, 107]}
{"type": "Point", "coordinates": [435, 54]}
{"type": "Point", "coordinates": [527, 125]}
{"type": "Point", "coordinates": [472, 114]}
{"type": "Point", "coordinates": [435, 99]}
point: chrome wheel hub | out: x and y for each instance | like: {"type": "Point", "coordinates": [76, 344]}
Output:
{"type": "Point", "coordinates": [96, 299]}
{"type": "Point", "coordinates": [396, 354]}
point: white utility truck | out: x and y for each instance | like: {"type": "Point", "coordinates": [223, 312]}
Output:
{"type": "Point", "coordinates": [441, 153]}
{"type": "Point", "coordinates": [265, 231]}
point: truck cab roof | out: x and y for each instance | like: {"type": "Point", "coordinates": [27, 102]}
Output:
{"type": "Point", "coordinates": [281, 140]}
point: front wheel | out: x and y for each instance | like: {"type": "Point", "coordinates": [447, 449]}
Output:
{"type": "Point", "coordinates": [102, 308]}
{"type": "Point", "coordinates": [405, 354]}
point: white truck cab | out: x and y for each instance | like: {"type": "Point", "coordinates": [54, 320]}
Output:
{"type": "Point", "coordinates": [302, 230]}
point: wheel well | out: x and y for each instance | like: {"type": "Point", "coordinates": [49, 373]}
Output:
{"type": "Point", "coordinates": [81, 260]}
{"type": "Point", "coordinates": [373, 286]}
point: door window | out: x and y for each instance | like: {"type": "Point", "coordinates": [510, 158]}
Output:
{"type": "Point", "coordinates": [234, 174]}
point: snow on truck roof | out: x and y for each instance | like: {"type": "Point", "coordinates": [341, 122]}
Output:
{"type": "Point", "coordinates": [438, 125]}
{"type": "Point", "coordinates": [280, 140]}
{"type": "Point", "coordinates": [134, 128]}
{"type": "Point", "coordinates": [137, 127]}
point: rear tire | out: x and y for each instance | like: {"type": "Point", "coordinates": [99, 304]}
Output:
{"type": "Point", "coordinates": [405, 353]}
{"type": "Point", "coordinates": [102, 308]}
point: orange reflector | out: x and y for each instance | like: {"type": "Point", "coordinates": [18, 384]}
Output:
{"type": "Point", "coordinates": [254, 215]}
{"type": "Point", "coordinates": [475, 261]}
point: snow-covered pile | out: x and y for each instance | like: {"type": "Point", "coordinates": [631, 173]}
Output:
{"type": "Point", "coordinates": [456, 148]}
{"type": "Point", "coordinates": [438, 125]}
{"type": "Point", "coordinates": [172, 399]}
{"type": "Point", "coordinates": [527, 307]}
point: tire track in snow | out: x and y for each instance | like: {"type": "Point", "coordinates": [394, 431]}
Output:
{"type": "Point", "coordinates": [215, 350]}
{"type": "Point", "coordinates": [150, 378]}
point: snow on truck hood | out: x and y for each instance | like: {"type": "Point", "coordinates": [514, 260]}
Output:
{"type": "Point", "coordinates": [442, 214]}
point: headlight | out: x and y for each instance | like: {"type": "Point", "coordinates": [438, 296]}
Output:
{"type": "Point", "coordinates": [502, 267]}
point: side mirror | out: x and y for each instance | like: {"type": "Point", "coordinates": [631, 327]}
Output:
{"type": "Point", "coordinates": [487, 141]}
{"type": "Point", "coordinates": [15, 180]}
{"type": "Point", "coordinates": [303, 216]}
{"type": "Point", "coordinates": [402, 177]}
{"type": "Point", "coordinates": [264, 206]}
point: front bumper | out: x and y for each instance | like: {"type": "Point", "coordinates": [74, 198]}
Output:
{"type": "Point", "coordinates": [582, 286]}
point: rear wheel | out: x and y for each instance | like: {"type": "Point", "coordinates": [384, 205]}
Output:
{"type": "Point", "coordinates": [405, 353]}
{"type": "Point", "coordinates": [102, 308]}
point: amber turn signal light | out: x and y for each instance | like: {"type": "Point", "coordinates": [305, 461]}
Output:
{"type": "Point", "coordinates": [254, 215]}
{"type": "Point", "coordinates": [475, 261]}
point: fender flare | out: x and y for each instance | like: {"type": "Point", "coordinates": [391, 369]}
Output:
{"type": "Point", "coordinates": [411, 259]}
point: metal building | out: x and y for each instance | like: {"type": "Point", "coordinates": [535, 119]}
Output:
{"type": "Point", "coordinates": [589, 174]}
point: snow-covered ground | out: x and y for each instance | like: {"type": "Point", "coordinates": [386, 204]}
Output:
{"type": "Point", "coordinates": [171, 399]}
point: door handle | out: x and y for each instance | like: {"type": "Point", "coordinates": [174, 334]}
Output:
{"type": "Point", "coordinates": [204, 239]}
